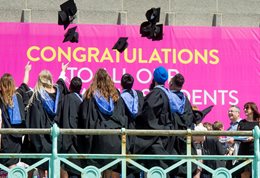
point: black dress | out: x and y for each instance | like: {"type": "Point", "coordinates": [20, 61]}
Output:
{"type": "Point", "coordinates": [246, 148]}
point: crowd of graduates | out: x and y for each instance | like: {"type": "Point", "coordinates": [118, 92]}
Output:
{"type": "Point", "coordinates": [102, 106]}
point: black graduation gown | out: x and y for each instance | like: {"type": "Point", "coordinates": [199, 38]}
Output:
{"type": "Point", "coordinates": [186, 120]}
{"type": "Point", "coordinates": [25, 92]}
{"type": "Point", "coordinates": [39, 118]}
{"type": "Point", "coordinates": [92, 118]}
{"type": "Point", "coordinates": [156, 115]}
{"type": "Point", "coordinates": [69, 114]}
{"type": "Point", "coordinates": [11, 143]}
{"type": "Point", "coordinates": [183, 122]}
{"type": "Point", "coordinates": [62, 86]}
{"type": "Point", "coordinates": [131, 121]}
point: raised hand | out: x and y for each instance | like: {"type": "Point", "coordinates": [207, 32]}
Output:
{"type": "Point", "coordinates": [28, 67]}
{"type": "Point", "coordinates": [64, 67]}
{"type": "Point", "coordinates": [27, 70]}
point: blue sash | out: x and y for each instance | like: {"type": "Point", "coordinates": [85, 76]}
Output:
{"type": "Point", "coordinates": [104, 106]}
{"type": "Point", "coordinates": [14, 112]}
{"type": "Point", "coordinates": [176, 104]}
{"type": "Point", "coordinates": [131, 102]}
{"type": "Point", "coordinates": [49, 105]}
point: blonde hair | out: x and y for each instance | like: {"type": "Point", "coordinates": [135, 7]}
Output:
{"type": "Point", "coordinates": [102, 82]}
{"type": "Point", "coordinates": [44, 81]}
{"type": "Point", "coordinates": [7, 87]}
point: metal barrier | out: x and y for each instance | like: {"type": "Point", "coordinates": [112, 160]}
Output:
{"type": "Point", "coordinates": [56, 158]}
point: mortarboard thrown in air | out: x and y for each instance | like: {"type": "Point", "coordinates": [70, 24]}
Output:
{"type": "Point", "coordinates": [121, 44]}
{"type": "Point", "coordinates": [71, 35]}
{"type": "Point", "coordinates": [67, 13]}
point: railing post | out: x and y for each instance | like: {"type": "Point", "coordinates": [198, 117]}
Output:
{"type": "Point", "coordinates": [189, 168]}
{"type": "Point", "coordinates": [123, 152]}
{"type": "Point", "coordinates": [54, 162]}
{"type": "Point", "coordinates": [256, 162]}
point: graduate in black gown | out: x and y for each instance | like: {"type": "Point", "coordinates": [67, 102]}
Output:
{"type": "Point", "coordinates": [12, 106]}
{"type": "Point", "coordinates": [69, 114]}
{"type": "Point", "coordinates": [133, 101]}
{"type": "Point", "coordinates": [156, 115]}
{"type": "Point", "coordinates": [44, 111]}
{"type": "Point", "coordinates": [102, 108]}
{"type": "Point", "coordinates": [184, 117]}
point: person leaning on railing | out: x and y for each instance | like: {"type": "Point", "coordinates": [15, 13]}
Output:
{"type": "Point", "coordinates": [232, 142]}
{"type": "Point", "coordinates": [247, 145]}
{"type": "Point", "coordinates": [213, 146]}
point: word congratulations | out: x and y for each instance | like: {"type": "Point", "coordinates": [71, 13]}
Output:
{"type": "Point", "coordinates": [134, 55]}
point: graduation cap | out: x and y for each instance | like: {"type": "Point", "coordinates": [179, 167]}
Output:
{"type": "Point", "coordinates": [199, 115]}
{"type": "Point", "coordinates": [157, 32]}
{"type": "Point", "coordinates": [121, 44]}
{"type": "Point", "coordinates": [67, 13]}
{"type": "Point", "coordinates": [145, 29]}
{"type": "Point", "coordinates": [149, 28]}
{"type": "Point", "coordinates": [71, 35]}
{"type": "Point", "coordinates": [153, 15]}
{"type": "Point", "coordinates": [151, 31]}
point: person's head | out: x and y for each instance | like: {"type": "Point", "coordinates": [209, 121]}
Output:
{"type": "Point", "coordinates": [234, 113]}
{"type": "Point", "coordinates": [75, 85]}
{"type": "Point", "coordinates": [7, 89]}
{"type": "Point", "coordinates": [217, 125]}
{"type": "Point", "coordinates": [251, 111]}
{"type": "Point", "coordinates": [103, 82]}
{"type": "Point", "coordinates": [208, 125]}
{"type": "Point", "coordinates": [177, 82]}
{"type": "Point", "coordinates": [44, 80]}
{"type": "Point", "coordinates": [195, 108]}
{"type": "Point", "coordinates": [199, 139]}
{"type": "Point", "coordinates": [160, 75]}
{"type": "Point", "coordinates": [127, 81]}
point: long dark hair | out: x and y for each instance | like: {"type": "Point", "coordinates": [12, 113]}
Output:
{"type": "Point", "coordinates": [254, 108]}
{"type": "Point", "coordinates": [7, 89]}
{"type": "Point", "coordinates": [103, 82]}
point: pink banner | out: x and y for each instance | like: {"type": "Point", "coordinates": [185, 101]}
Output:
{"type": "Point", "coordinates": [220, 65]}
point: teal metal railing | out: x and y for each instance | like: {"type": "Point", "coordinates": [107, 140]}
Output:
{"type": "Point", "coordinates": [56, 158]}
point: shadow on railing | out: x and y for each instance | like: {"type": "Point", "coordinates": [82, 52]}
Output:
{"type": "Point", "coordinates": [56, 158]}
